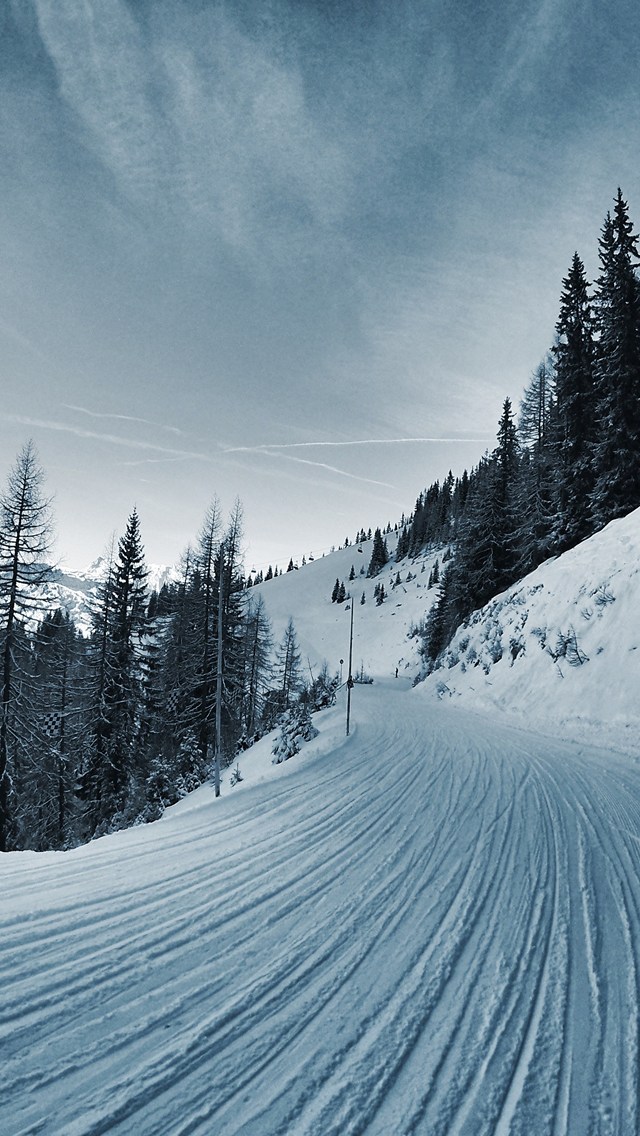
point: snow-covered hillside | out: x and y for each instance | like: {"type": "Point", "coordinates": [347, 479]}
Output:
{"type": "Point", "coordinates": [561, 649]}
{"type": "Point", "coordinates": [380, 632]}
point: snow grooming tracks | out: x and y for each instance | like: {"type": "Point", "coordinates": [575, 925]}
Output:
{"type": "Point", "coordinates": [430, 931]}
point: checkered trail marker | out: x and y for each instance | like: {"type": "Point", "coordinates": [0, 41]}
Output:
{"type": "Point", "coordinates": [50, 723]}
{"type": "Point", "coordinates": [172, 702]}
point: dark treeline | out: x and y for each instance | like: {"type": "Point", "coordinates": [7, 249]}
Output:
{"type": "Point", "coordinates": [102, 731]}
{"type": "Point", "coordinates": [567, 466]}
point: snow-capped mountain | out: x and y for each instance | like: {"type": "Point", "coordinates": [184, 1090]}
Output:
{"type": "Point", "coordinates": [75, 590]}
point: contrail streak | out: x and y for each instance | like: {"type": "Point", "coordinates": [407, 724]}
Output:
{"type": "Point", "coordinates": [122, 418]}
{"type": "Point", "coordinates": [330, 468]}
{"type": "Point", "coordinates": [112, 439]}
{"type": "Point", "coordinates": [266, 447]}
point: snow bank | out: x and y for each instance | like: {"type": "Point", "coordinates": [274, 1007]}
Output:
{"type": "Point", "coordinates": [560, 649]}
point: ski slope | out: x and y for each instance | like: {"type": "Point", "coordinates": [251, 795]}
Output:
{"type": "Point", "coordinates": [431, 927]}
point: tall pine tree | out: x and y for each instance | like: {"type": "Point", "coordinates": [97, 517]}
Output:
{"type": "Point", "coordinates": [574, 355]}
{"type": "Point", "coordinates": [616, 463]}
{"type": "Point", "coordinates": [116, 769]}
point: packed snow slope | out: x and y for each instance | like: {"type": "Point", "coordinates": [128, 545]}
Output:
{"type": "Point", "coordinates": [431, 927]}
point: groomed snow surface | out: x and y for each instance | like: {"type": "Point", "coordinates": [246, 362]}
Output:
{"type": "Point", "coordinates": [429, 927]}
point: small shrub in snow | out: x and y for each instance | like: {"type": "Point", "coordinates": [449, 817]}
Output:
{"type": "Point", "coordinates": [236, 776]}
{"type": "Point", "coordinates": [516, 647]}
{"type": "Point", "coordinates": [567, 648]}
{"type": "Point", "coordinates": [493, 636]}
{"type": "Point", "coordinates": [160, 791]}
{"type": "Point", "coordinates": [602, 596]}
{"type": "Point", "coordinates": [296, 729]}
{"type": "Point", "coordinates": [322, 691]}
{"type": "Point", "coordinates": [186, 783]}
{"type": "Point", "coordinates": [362, 677]}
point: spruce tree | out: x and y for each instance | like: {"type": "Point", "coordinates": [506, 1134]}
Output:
{"type": "Point", "coordinates": [232, 634]}
{"type": "Point", "coordinates": [616, 464]}
{"type": "Point", "coordinates": [574, 355]}
{"type": "Point", "coordinates": [124, 693]}
{"type": "Point", "coordinates": [487, 547]}
{"type": "Point", "coordinates": [379, 554]}
{"type": "Point", "coordinates": [114, 771]}
{"type": "Point", "coordinates": [536, 495]}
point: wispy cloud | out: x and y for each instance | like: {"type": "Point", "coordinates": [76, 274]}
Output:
{"type": "Point", "coordinates": [110, 439]}
{"type": "Point", "coordinates": [123, 418]}
{"type": "Point", "coordinates": [155, 461]}
{"type": "Point", "coordinates": [217, 115]}
{"type": "Point", "coordinates": [277, 453]}
{"type": "Point", "coordinates": [333, 469]}
{"type": "Point", "coordinates": [99, 55]}
{"type": "Point", "coordinates": [268, 447]}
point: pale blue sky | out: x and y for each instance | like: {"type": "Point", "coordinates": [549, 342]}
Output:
{"type": "Point", "coordinates": [237, 238]}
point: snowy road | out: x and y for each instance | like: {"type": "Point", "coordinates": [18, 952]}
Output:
{"type": "Point", "coordinates": [433, 929]}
